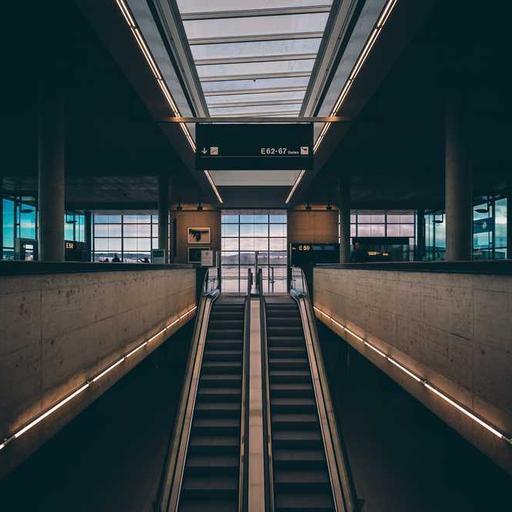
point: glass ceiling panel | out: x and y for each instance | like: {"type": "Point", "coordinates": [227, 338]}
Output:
{"type": "Point", "coordinates": [254, 57]}
{"type": "Point", "coordinates": [190, 6]}
{"type": "Point", "coordinates": [270, 96]}
{"type": "Point", "coordinates": [262, 83]}
{"type": "Point", "coordinates": [256, 68]}
{"type": "Point", "coordinates": [253, 109]}
{"type": "Point", "coordinates": [256, 49]}
{"type": "Point", "coordinates": [261, 26]}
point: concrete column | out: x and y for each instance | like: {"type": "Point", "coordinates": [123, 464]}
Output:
{"type": "Point", "coordinates": [343, 201]}
{"type": "Point", "coordinates": [51, 133]}
{"type": "Point", "coordinates": [458, 184]}
{"type": "Point", "coordinates": [420, 235]}
{"type": "Point", "coordinates": [88, 232]}
{"type": "Point", "coordinates": [163, 215]}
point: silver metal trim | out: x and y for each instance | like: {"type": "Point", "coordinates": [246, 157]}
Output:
{"type": "Point", "coordinates": [174, 32]}
{"type": "Point", "coordinates": [335, 32]}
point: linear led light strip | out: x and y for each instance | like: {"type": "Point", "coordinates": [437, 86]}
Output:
{"type": "Point", "coordinates": [209, 178]}
{"type": "Point", "coordinates": [83, 387]}
{"type": "Point", "coordinates": [160, 81]}
{"type": "Point", "coordinates": [295, 185]}
{"type": "Point", "coordinates": [420, 380]}
{"type": "Point", "coordinates": [383, 18]}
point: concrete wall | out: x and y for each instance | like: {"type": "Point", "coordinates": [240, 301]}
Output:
{"type": "Point", "coordinates": [193, 218]}
{"type": "Point", "coordinates": [313, 226]}
{"type": "Point", "coordinates": [455, 330]}
{"type": "Point", "coordinates": [59, 330]}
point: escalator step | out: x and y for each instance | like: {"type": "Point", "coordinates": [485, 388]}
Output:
{"type": "Point", "coordinates": [297, 437]}
{"type": "Point", "coordinates": [306, 458]}
{"type": "Point", "coordinates": [300, 477]}
{"type": "Point", "coordinates": [190, 505]}
{"type": "Point", "coordinates": [214, 443]}
{"type": "Point", "coordinates": [218, 408]}
{"type": "Point", "coordinates": [294, 421]}
{"type": "Point", "coordinates": [292, 363]}
{"type": "Point", "coordinates": [199, 462]}
{"type": "Point", "coordinates": [289, 389]}
{"type": "Point", "coordinates": [304, 502]}
{"type": "Point", "coordinates": [207, 393]}
{"type": "Point", "coordinates": [222, 355]}
{"type": "Point", "coordinates": [219, 379]}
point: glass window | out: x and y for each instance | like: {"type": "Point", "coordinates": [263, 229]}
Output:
{"type": "Point", "coordinates": [132, 235]}
{"type": "Point", "coordinates": [257, 235]}
{"type": "Point", "coordinates": [8, 223]}
{"type": "Point", "coordinates": [229, 230]}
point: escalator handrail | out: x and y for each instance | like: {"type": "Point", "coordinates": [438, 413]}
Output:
{"type": "Point", "coordinates": [243, 478]}
{"type": "Point", "coordinates": [172, 475]}
{"type": "Point", "coordinates": [336, 455]}
{"type": "Point", "coordinates": [267, 419]}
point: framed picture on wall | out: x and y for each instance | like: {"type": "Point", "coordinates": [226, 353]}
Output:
{"type": "Point", "coordinates": [199, 235]}
{"type": "Point", "coordinates": [194, 254]}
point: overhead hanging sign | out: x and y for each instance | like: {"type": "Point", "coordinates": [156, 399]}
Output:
{"type": "Point", "coordinates": [254, 146]}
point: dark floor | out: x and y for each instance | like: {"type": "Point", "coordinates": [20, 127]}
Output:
{"type": "Point", "coordinates": [110, 457]}
{"type": "Point", "coordinates": [404, 458]}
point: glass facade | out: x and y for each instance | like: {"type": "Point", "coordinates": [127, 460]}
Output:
{"type": "Point", "coordinates": [385, 224]}
{"type": "Point", "coordinates": [129, 235]}
{"type": "Point", "coordinates": [19, 220]}
{"type": "Point", "coordinates": [249, 237]}
{"type": "Point", "coordinates": [489, 231]}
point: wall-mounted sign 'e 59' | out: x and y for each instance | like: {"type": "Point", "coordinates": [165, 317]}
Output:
{"type": "Point", "coordinates": [254, 146]}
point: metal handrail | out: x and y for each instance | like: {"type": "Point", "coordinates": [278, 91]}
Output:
{"type": "Point", "coordinates": [343, 487]}
{"type": "Point", "coordinates": [172, 474]}
{"type": "Point", "coordinates": [267, 419]}
{"type": "Point", "coordinates": [243, 479]}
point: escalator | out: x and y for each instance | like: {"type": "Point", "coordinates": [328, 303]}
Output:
{"type": "Point", "coordinates": [205, 463]}
{"type": "Point", "coordinates": [211, 476]}
{"type": "Point", "coordinates": [255, 429]}
{"type": "Point", "coordinates": [301, 475]}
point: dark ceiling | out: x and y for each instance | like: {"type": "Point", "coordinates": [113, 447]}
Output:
{"type": "Point", "coordinates": [114, 149]}
{"type": "Point", "coordinates": [394, 150]}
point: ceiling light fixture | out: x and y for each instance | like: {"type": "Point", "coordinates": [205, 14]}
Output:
{"type": "Point", "coordinates": [139, 38]}
{"type": "Point", "coordinates": [297, 181]}
{"type": "Point", "coordinates": [383, 18]}
{"type": "Point", "coordinates": [215, 189]}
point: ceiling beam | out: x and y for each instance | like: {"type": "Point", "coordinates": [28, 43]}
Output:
{"type": "Point", "coordinates": [262, 103]}
{"type": "Point", "coordinates": [252, 13]}
{"type": "Point", "coordinates": [251, 38]}
{"type": "Point", "coordinates": [256, 58]}
{"type": "Point", "coordinates": [255, 91]}
{"type": "Point", "coordinates": [252, 119]}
